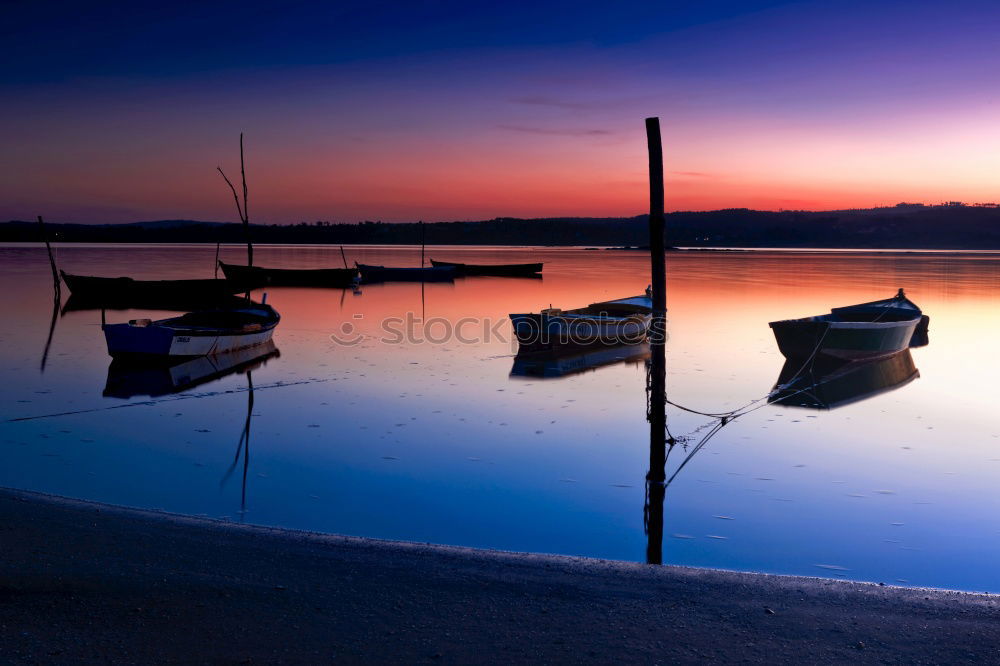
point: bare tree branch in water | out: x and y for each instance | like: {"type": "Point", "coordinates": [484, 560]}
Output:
{"type": "Point", "coordinates": [241, 210]}
{"type": "Point", "coordinates": [56, 293]}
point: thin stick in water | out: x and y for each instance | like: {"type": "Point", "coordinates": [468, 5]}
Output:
{"type": "Point", "coordinates": [52, 260]}
{"type": "Point", "coordinates": [244, 217]}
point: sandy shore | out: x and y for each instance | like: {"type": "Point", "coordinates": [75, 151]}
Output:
{"type": "Point", "coordinates": [83, 582]}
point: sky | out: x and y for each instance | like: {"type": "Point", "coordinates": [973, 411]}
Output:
{"type": "Point", "coordinates": [401, 111]}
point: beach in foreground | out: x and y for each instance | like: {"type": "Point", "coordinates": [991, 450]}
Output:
{"type": "Point", "coordinates": [87, 583]}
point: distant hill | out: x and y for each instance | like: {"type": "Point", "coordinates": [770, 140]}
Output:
{"type": "Point", "coordinates": [912, 226]}
{"type": "Point", "coordinates": [168, 224]}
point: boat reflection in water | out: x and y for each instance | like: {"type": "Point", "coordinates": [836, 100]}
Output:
{"type": "Point", "coordinates": [165, 302]}
{"type": "Point", "coordinates": [819, 380]}
{"type": "Point", "coordinates": [128, 379]}
{"type": "Point", "coordinates": [565, 361]}
{"type": "Point", "coordinates": [828, 383]}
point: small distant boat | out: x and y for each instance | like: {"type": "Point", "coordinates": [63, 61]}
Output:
{"type": "Point", "coordinates": [495, 270]}
{"type": "Point", "coordinates": [830, 383]}
{"type": "Point", "coordinates": [290, 277]}
{"type": "Point", "coordinates": [127, 379]}
{"type": "Point", "coordinates": [621, 321]}
{"type": "Point", "coordinates": [199, 333]}
{"type": "Point", "coordinates": [864, 331]}
{"type": "Point", "coordinates": [126, 289]}
{"type": "Point", "coordinates": [552, 364]}
{"type": "Point", "coordinates": [391, 274]}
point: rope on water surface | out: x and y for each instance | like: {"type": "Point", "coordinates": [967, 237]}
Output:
{"type": "Point", "coordinates": [725, 418]}
{"type": "Point", "coordinates": [173, 398]}
{"type": "Point", "coordinates": [753, 405]}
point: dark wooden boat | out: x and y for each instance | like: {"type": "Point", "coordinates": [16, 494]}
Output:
{"type": "Point", "coordinates": [127, 379]}
{"type": "Point", "coordinates": [899, 303]}
{"type": "Point", "coordinates": [831, 383]}
{"type": "Point", "coordinates": [621, 321]}
{"type": "Point", "coordinates": [391, 274]}
{"type": "Point", "coordinates": [290, 277]}
{"type": "Point", "coordinates": [495, 270]}
{"type": "Point", "coordinates": [126, 289]}
{"type": "Point", "coordinates": [200, 333]}
{"type": "Point", "coordinates": [864, 331]}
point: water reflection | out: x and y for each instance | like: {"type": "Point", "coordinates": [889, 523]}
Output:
{"type": "Point", "coordinates": [828, 383]}
{"type": "Point", "coordinates": [656, 415]}
{"type": "Point", "coordinates": [819, 382]}
{"type": "Point", "coordinates": [562, 362]}
{"type": "Point", "coordinates": [550, 466]}
{"type": "Point", "coordinates": [171, 303]}
{"type": "Point", "coordinates": [127, 379]}
{"type": "Point", "coordinates": [56, 298]}
{"type": "Point", "coordinates": [242, 448]}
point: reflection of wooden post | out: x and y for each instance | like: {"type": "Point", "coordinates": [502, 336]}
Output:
{"type": "Point", "coordinates": [423, 242]}
{"type": "Point", "coordinates": [656, 385]}
{"type": "Point", "coordinates": [656, 476]}
{"type": "Point", "coordinates": [217, 247]}
{"type": "Point", "coordinates": [246, 449]}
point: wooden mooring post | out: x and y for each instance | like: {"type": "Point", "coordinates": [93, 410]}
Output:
{"type": "Point", "coordinates": [656, 218]}
{"type": "Point", "coordinates": [656, 381]}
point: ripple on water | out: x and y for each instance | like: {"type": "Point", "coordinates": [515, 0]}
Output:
{"type": "Point", "coordinates": [831, 567]}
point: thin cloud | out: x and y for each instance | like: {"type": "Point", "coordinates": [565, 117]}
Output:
{"type": "Point", "coordinates": [556, 132]}
{"type": "Point", "coordinates": [538, 100]}
{"type": "Point", "coordinates": [693, 174]}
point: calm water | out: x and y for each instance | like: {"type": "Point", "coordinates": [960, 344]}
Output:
{"type": "Point", "coordinates": [438, 442]}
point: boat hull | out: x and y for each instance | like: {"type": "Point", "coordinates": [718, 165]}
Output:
{"type": "Point", "coordinates": [173, 304]}
{"type": "Point", "coordinates": [389, 274]}
{"type": "Point", "coordinates": [127, 341]}
{"type": "Point", "coordinates": [195, 334]}
{"type": "Point", "coordinates": [290, 277]}
{"type": "Point", "coordinates": [847, 340]}
{"type": "Point", "coordinates": [538, 331]}
{"type": "Point", "coordinates": [125, 289]}
{"type": "Point", "coordinates": [492, 270]}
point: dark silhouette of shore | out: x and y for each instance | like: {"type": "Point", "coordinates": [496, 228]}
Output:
{"type": "Point", "coordinates": [907, 226]}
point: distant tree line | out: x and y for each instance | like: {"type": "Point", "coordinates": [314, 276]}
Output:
{"type": "Point", "coordinates": [932, 227]}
